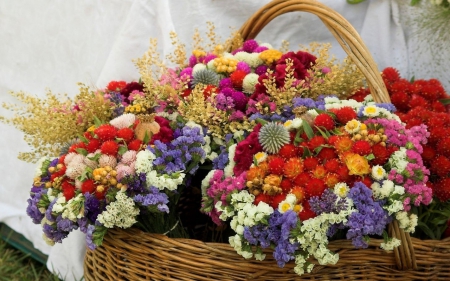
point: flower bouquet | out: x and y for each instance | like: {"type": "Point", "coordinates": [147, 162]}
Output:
{"type": "Point", "coordinates": [291, 164]}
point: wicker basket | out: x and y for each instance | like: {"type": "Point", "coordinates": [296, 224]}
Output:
{"type": "Point", "coordinates": [134, 255]}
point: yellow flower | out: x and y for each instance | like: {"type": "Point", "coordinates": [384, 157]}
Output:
{"type": "Point", "coordinates": [269, 56]}
{"type": "Point", "coordinates": [284, 207]}
{"type": "Point", "coordinates": [198, 53]}
{"type": "Point", "coordinates": [260, 157]}
{"type": "Point", "coordinates": [356, 164]}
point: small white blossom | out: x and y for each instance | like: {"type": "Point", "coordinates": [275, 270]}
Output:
{"type": "Point", "coordinates": [390, 244]}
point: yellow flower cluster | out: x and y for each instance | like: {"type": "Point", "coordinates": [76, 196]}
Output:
{"type": "Point", "coordinates": [223, 64]}
{"type": "Point", "coordinates": [270, 56]}
{"type": "Point", "coordinates": [106, 176]}
{"type": "Point", "coordinates": [50, 123]}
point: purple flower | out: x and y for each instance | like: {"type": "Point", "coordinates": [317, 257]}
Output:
{"type": "Point", "coordinates": [33, 209]}
{"type": "Point", "coordinates": [370, 218]}
{"type": "Point", "coordinates": [225, 83]}
{"type": "Point", "coordinates": [153, 199]}
{"type": "Point", "coordinates": [92, 207]}
{"type": "Point", "coordinates": [90, 237]}
{"type": "Point", "coordinates": [244, 67]}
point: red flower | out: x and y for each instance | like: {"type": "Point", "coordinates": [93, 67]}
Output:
{"type": "Point", "coordinates": [126, 134]}
{"type": "Point", "coordinates": [74, 147]}
{"type": "Point", "coordinates": [324, 120]}
{"type": "Point", "coordinates": [286, 185]}
{"type": "Point", "coordinates": [293, 167]}
{"type": "Point", "coordinates": [326, 153]}
{"type": "Point", "coordinates": [441, 166]}
{"type": "Point", "coordinates": [362, 147]}
{"type": "Point", "coordinates": [345, 114]}
{"type": "Point", "coordinates": [262, 198]}
{"type": "Point", "coordinates": [93, 145]}
{"type": "Point", "coordinates": [306, 213]}
{"type": "Point", "coordinates": [332, 165]}
{"type": "Point", "coordinates": [237, 77]}
{"type": "Point", "coordinates": [400, 100]}
{"type": "Point", "coordinates": [310, 163]}
{"type": "Point", "coordinates": [315, 187]}
{"type": "Point", "coordinates": [442, 189]}
{"type": "Point", "coordinates": [68, 190]}
{"type": "Point", "coordinates": [302, 179]}
{"type": "Point", "coordinates": [276, 165]}
{"type": "Point", "coordinates": [288, 151]}
{"type": "Point", "coordinates": [443, 146]}
{"type": "Point", "coordinates": [109, 148]}
{"type": "Point", "coordinates": [315, 142]}
{"type": "Point", "coordinates": [276, 199]}
{"type": "Point", "coordinates": [88, 186]}
{"type": "Point", "coordinates": [299, 193]}
{"type": "Point", "coordinates": [390, 75]}
{"type": "Point", "coordinates": [245, 151]}
{"type": "Point", "coordinates": [135, 145]}
{"type": "Point", "coordinates": [116, 85]}
{"type": "Point", "coordinates": [106, 132]}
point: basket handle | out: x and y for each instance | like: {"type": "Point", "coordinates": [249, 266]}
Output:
{"type": "Point", "coordinates": [341, 29]}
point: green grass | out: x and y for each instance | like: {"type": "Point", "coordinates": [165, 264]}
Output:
{"type": "Point", "coordinates": [17, 266]}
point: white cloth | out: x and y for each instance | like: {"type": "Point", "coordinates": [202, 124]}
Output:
{"type": "Point", "coordinates": [56, 44]}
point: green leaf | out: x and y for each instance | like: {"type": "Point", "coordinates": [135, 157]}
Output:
{"type": "Point", "coordinates": [414, 2]}
{"type": "Point", "coordinates": [324, 133]}
{"type": "Point", "coordinates": [82, 151]}
{"type": "Point", "coordinates": [306, 152]}
{"type": "Point", "coordinates": [370, 157]}
{"type": "Point", "coordinates": [146, 138]}
{"type": "Point", "coordinates": [122, 149]}
{"type": "Point", "coordinates": [308, 130]}
{"type": "Point", "coordinates": [426, 229]}
{"type": "Point", "coordinates": [355, 1]}
{"type": "Point", "coordinates": [298, 139]}
{"type": "Point", "coordinates": [261, 121]}
{"type": "Point", "coordinates": [95, 158]}
{"type": "Point", "coordinates": [412, 78]}
{"type": "Point", "coordinates": [97, 122]}
{"type": "Point", "coordinates": [83, 139]}
{"type": "Point", "coordinates": [445, 101]}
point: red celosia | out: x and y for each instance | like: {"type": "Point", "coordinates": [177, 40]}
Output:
{"type": "Point", "coordinates": [286, 185]}
{"type": "Point", "coordinates": [245, 150]}
{"type": "Point", "coordinates": [276, 199]}
{"type": "Point", "coordinates": [302, 179]}
{"type": "Point", "coordinates": [441, 189]}
{"type": "Point", "coordinates": [332, 165]}
{"type": "Point", "coordinates": [262, 198]}
{"type": "Point", "coordinates": [326, 153]}
{"type": "Point", "coordinates": [443, 146]}
{"type": "Point", "coordinates": [440, 166]}
{"type": "Point", "coordinates": [68, 190]}
{"type": "Point", "coordinates": [315, 187]}
{"type": "Point", "coordinates": [306, 212]}
{"type": "Point", "coordinates": [315, 142]}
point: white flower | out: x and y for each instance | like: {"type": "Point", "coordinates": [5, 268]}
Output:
{"type": "Point", "coordinates": [169, 182]}
{"type": "Point", "coordinates": [238, 135]}
{"type": "Point", "coordinates": [287, 204]}
{"type": "Point", "coordinates": [313, 113]}
{"type": "Point", "coordinates": [249, 82]}
{"type": "Point", "coordinates": [123, 121]}
{"type": "Point", "coordinates": [107, 160]}
{"type": "Point", "coordinates": [144, 161]}
{"type": "Point", "coordinates": [247, 255]}
{"type": "Point", "coordinates": [210, 65]}
{"type": "Point", "coordinates": [378, 172]}
{"type": "Point", "coordinates": [398, 189]}
{"type": "Point", "coordinates": [267, 45]}
{"type": "Point", "coordinates": [206, 182]}
{"type": "Point", "coordinates": [395, 207]}
{"type": "Point", "coordinates": [398, 160]}
{"type": "Point", "coordinates": [341, 189]}
{"type": "Point", "coordinates": [260, 256]}
{"type": "Point", "coordinates": [240, 229]}
{"type": "Point", "coordinates": [390, 244]}
{"type": "Point", "coordinates": [370, 111]}
{"type": "Point", "coordinates": [39, 164]}
{"type": "Point", "coordinates": [228, 171]}
{"type": "Point", "coordinates": [352, 126]}
{"type": "Point", "coordinates": [121, 213]}
{"type": "Point", "coordinates": [260, 157]}
{"type": "Point", "coordinates": [192, 124]}
{"type": "Point", "coordinates": [198, 67]}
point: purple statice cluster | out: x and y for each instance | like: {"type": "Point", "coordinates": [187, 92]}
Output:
{"type": "Point", "coordinates": [329, 202]}
{"type": "Point", "coordinates": [118, 100]}
{"type": "Point", "coordinates": [221, 161]}
{"type": "Point", "coordinates": [394, 131]}
{"type": "Point", "coordinates": [369, 219]}
{"type": "Point", "coordinates": [94, 235]}
{"type": "Point", "coordinates": [92, 206]}
{"type": "Point", "coordinates": [154, 200]}
{"type": "Point", "coordinates": [38, 193]}
{"type": "Point", "coordinates": [184, 153]}
{"type": "Point", "coordinates": [57, 228]}
{"type": "Point", "coordinates": [277, 232]}
{"type": "Point", "coordinates": [136, 183]}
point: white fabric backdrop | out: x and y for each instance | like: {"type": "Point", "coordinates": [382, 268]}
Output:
{"type": "Point", "coordinates": [55, 44]}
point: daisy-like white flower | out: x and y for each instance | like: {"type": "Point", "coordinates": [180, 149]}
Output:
{"type": "Point", "coordinates": [378, 172]}
{"type": "Point", "coordinates": [341, 189]}
{"type": "Point", "coordinates": [371, 111]}
{"type": "Point", "coordinates": [352, 126]}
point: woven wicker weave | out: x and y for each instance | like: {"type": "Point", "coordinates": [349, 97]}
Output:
{"type": "Point", "coordinates": [134, 255]}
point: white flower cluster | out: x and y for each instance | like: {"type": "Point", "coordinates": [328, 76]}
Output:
{"type": "Point", "coordinates": [370, 108]}
{"type": "Point", "coordinates": [293, 124]}
{"type": "Point", "coordinates": [388, 190]}
{"type": "Point", "coordinates": [72, 209]}
{"type": "Point", "coordinates": [169, 182]}
{"type": "Point", "coordinates": [314, 238]}
{"type": "Point", "coordinates": [123, 121]}
{"type": "Point", "coordinates": [205, 182]}
{"type": "Point", "coordinates": [390, 244]}
{"type": "Point", "coordinates": [39, 164]}
{"type": "Point", "coordinates": [398, 160]}
{"type": "Point", "coordinates": [238, 201]}
{"type": "Point", "coordinates": [144, 161]}
{"type": "Point", "coordinates": [121, 213]}
{"type": "Point", "coordinates": [228, 171]}
{"type": "Point", "coordinates": [407, 222]}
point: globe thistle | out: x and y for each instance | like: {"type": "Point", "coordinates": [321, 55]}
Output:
{"type": "Point", "coordinates": [273, 136]}
{"type": "Point", "coordinates": [205, 77]}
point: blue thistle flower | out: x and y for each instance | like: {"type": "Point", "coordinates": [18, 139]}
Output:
{"type": "Point", "coordinates": [273, 136]}
{"type": "Point", "coordinates": [205, 77]}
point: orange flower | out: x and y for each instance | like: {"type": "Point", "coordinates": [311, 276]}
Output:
{"type": "Point", "coordinates": [255, 173]}
{"type": "Point", "coordinates": [273, 180]}
{"type": "Point", "coordinates": [343, 143]}
{"type": "Point", "coordinates": [356, 164]}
